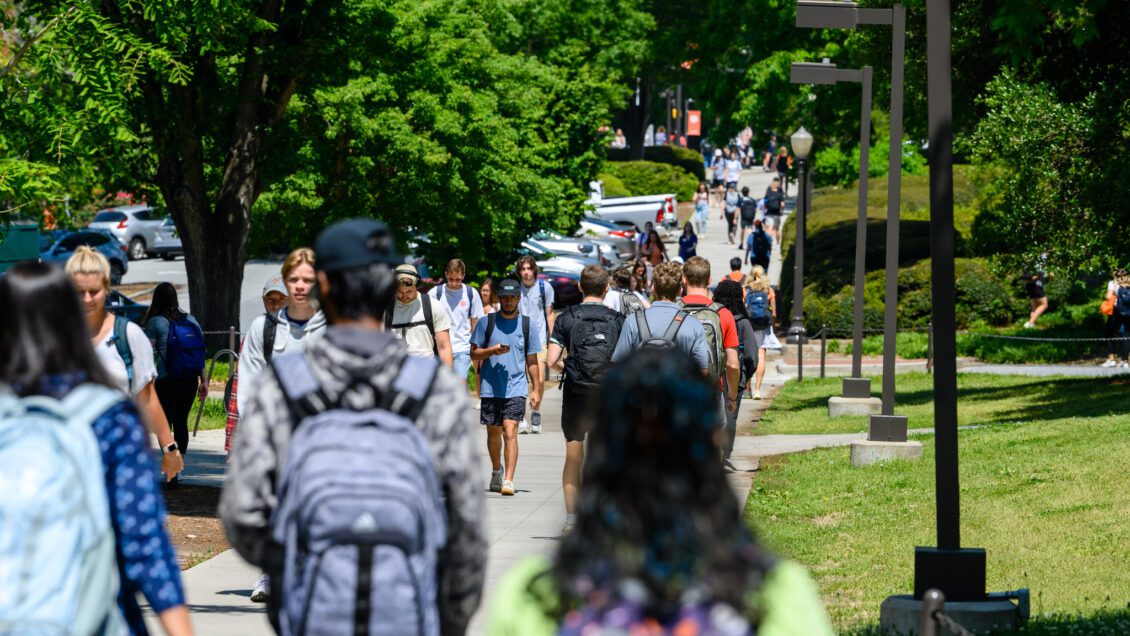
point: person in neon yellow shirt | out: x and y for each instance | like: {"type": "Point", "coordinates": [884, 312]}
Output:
{"type": "Point", "coordinates": [659, 543]}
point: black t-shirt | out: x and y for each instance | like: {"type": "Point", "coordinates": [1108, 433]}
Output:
{"type": "Point", "coordinates": [566, 320]}
{"type": "Point", "coordinates": [773, 200]}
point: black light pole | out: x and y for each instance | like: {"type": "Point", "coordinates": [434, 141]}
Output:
{"type": "Point", "coordinates": [855, 386]}
{"type": "Point", "coordinates": [802, 145]}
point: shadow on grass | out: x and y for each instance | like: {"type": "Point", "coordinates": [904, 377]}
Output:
{"type": "Point", "coordinates": [1103, 623]}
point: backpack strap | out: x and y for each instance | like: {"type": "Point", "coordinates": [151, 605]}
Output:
{"type": "Point", "coordinates": [641, 325]}
{"type": "Point", "coordinates": [525, 335]}
{"type": "Point", "coordinates": [304, 395]}
{"type": "Point", "coordinates": [429, 319]}
{"type": "Point", "coordinates": [673, 328]}
{"type": "Point", "coordinates": [121, 342]}
{"type": "Point", "coordinates": [410, 389]}
{"type": "Point", "coordinates": [270, 325]}
{"type": "Point", "coordinates": [541, 292]}
{"type": "Point", "coordinates": [491, 320]}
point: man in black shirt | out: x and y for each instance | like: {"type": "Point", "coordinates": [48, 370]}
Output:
{"type": "Point", "coordinates": [589, 333]}
{"type": "Point", "coordinates": [774, 206]}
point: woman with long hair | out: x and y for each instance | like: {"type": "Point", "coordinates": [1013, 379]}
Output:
{"type": "Point", "coordinates": [701, 207]}
{"type": "Point", "coordinates": [45, 353]}
{"type": "Point", "coordinates": [123, 348]}
{"type": "Point", "coordinates": [175, 394]}
{"type": "Point", "coordinates": [659, 538]}
{"type": "Point", "coordinates": [641, 280]}
{"type": "Point", "coordinates": [730, 295]}
{"type": "Point", "coordinates": [654, 251]}
{"type": "Point", "coordinates": [759, 282]}
{"type": "Point", "coordinates": [298, 326]}
{"type": "Point", "coordinates": [688, 242]}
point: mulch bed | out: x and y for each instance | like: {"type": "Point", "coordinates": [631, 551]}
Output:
{"type": "Point", "coordinates": [194, 525]}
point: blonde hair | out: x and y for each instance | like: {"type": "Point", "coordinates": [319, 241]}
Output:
{"type": "Point", "coordinates": [300, 256]}
{"type": "Point", "coordinates": [758, 279]}
{"type": "Point", "coordinates": [86, 260]}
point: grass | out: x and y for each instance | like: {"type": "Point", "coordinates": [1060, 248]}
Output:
{"type": "Point", "coordinates": [1043, 490]}
{"type": "Point", "coordinates": [801, 408]}
{"type": "Point", "coordinates": [213, 417]}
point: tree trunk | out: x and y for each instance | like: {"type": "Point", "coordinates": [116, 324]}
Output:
{"type": "Point", "coordinates": [638, 117]}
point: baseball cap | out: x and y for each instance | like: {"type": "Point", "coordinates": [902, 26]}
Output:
{"type": "Point", "coordinates": [717, 152]}
{"type": "Point", "coordinates": [275, 284]}
{"type": "Point", "coordinates": [406, 270]}
{"type": "Point", "coordinates": [355, 243]}
{"type": "Point", "coordinates": [509, 287]}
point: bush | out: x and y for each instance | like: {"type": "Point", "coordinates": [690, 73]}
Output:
{"type": "Point", "coordinates": [613, 186]}
{"type": "Point", "coordinates": [648, 177]}
{"type": "Point", "coordinates": [685, 158]}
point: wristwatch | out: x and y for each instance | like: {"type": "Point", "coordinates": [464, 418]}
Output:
{"type": "Point", "coordinates": [170, 448]}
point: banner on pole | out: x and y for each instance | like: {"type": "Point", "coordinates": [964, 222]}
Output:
{"type": "Point", "coordinates": [694, 123]}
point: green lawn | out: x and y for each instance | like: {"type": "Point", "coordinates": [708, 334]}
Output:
{"type": "Point", "coordinates": [1043, 489]}
{"type": "Point", "coordinates": [213, 417]}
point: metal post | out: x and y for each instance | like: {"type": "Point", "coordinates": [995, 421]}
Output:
{"type": "Point", "coordinates": [940, 115]}
{"type": "Point", "coordinates": [823, 348]}
{"type": "Point", "coordinates": [232, 339]}
{"type": "Point", "coordinates": [933, 601]}
{"type": "Point", "coordinates": [799, 360]}
{"type": "Point", "coordinates": [680, 117]}
{"type": "Point", "coordinates": [796, 330]}
{"type": "Point", "coordinates": [861, 226]}
{"type": "Point", "coordinates": [929, 347]}
{"type": "Point", "coordinates": [894, 190]}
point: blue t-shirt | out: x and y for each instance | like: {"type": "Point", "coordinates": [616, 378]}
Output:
{"type": "Point", "coordinates": [504, 376]}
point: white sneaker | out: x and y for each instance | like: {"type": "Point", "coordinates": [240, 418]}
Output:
{"type": "Point", "coordinates": [1109, 363]}
{"type": "Point", "coordinates": [262, 590]}
{"type": "Point", "coordinates": [477, 405]}
{"type": "Point", "coordinates": [1124, 364]}
{"type": "Point", "coordinates": [507, 487]}
{"type": "Point", "coordinates": [757, 395]}
{"type": "Point", "coordinates": [496, 479]}
{"type": "Point", "coordinates": [523, 427]}
{"type": "Point", "coordinates": [1028, 325]}
{"type": "Point", "coordinates": [535, 429]}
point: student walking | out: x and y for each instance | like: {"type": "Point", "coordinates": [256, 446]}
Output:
{"type": "Point", "coordinates": [1116, 308]}
{"type": "Point", "coordinates": [621, 297]}
{"type": "Point", "coordinates": [774, 206]}
{"type": "Point", "coordinates": [721, 334]}
{"type": "Point", "coordinates": [464, 309]}
{"type": "Point", "coordinates": [588, 332]}
{"type": "Point", "coordinates": [664, 325]}
{"type": "Point", "coordinates": [422, 322]}
{"type": "Point", "coordinates": [701, 207]}
{"type": "Point", "coordinates": [1037, 297]}
{"type": "Point", "coordinates": [784, 162]}
{"type": "Point", "coordinates": [660, 544]}
{"type": "Point", "coordinates": [274, 299]}
{"type": "Point", "coordinates": [747, 207]}
{"type": "Point", "coordinates": [761, 305]}
{"type": "Point", "coordinates": [507, 343]}
{"type": "Point", "coordinates": [759, 246]}
{"type": "Point", "coordinates": [179, 343]}
{"type": "Point", "coordinates": [718, 181]}
{"type": "Point", "coordinates": [688, 242]}
{"type": "Point", "coordinates": [123, 349]}
{"type": "Point", "coordinates": [82, 498]}
{"type": "Point", "coordinates": [730, 210]}
{"type": "Point", "coordinates": [353, 471]}
{"type": "Point", "coordinates": [536, 303]}
{"type": "Point", "coordinates": [728, 294]}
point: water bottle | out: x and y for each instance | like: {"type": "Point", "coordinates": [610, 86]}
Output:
{"type": "Point", "coordinates": [535, 421]}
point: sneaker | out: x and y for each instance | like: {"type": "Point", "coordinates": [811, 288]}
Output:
{"type": "Point", "coordinates": [507, 487]}
{"type": "Point", "coordinates": [523, 427]}
{"type": "Point", "coordinates": [496, 480]}
{"type": "Point", "coordinates": [1028, 325]}
{"type": "Point", "coordinates": [262, 590]}
{"type": "Point", "coordinates": [728, 465]}
{"type": "Point", "coordinates": [567, 527]}
{"type": "Point", "coordinates": [1109, 363]}
{"type": "Point", "coordinates": [757, 395]}
{"type": "Point", "coordinates": [477, 405]}
{"type": "Point", "coordinates": [1124, 364]}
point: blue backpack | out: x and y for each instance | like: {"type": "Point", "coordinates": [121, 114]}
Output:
{"type": "Point", "coordinates": [58, 569]}
{"type": "Point", "coordinates": [360, 520]}
{"type": "Point", "coordinates": [1123, 302]}
{"type": "Point", "coordinates": [757, 305]}
{"type": "Point", "coordinates": [184, 349]}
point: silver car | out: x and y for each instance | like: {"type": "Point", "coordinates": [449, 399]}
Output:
{"type": "Point", "coordinates": [134, 225]}
{"type": "Point", "coordinates": [167, 244]}
{"type": "Point", "coordinates": [573, 247]}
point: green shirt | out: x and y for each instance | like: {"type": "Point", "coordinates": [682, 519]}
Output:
{"type": "Point", "coordinates": [790, 601]}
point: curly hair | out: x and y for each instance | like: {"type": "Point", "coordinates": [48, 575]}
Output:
{"type": "Point", "coordinates": [728, 293]}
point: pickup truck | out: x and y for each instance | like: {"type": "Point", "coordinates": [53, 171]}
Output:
{"type": "Point", "coordinates": [636, 210]}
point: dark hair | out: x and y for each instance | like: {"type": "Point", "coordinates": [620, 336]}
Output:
{"type": "Point", "coordinates": [623, 277]}
{"type": "Point", "coordinates": [594, 280]}
{"type": "Point", "coordinates": [359, 292]}
{"type": "Point", "coordinates": [745, 191]}
{"type": "Point", "coordinates": [728, 293]}
{"type": "Point", "coordinates": [689, 227]}
{"type": "Point", "coordinates": [656, 506]}
{"type": "Point", "coordinates": [43, 330]}
{"type": "Point", "coordinates": [489, 282]}
{"type": "Point", "coordinates": [735, 264]}
{"type": "Point", "coordinates": [525, 259]}
{"type": "Point", "coordinates": [165, 303]}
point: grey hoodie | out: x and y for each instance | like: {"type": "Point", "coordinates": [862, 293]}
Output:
{"type": "Point", "coordinates": [288, 337]}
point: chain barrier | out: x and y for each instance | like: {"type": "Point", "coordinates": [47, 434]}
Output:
{"type": "Point", "coordinates": [953, 626]}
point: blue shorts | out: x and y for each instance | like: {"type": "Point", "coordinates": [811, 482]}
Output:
{"type": "Point", "coordinates": [494, 410]}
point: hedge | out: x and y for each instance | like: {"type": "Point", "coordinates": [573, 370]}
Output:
{"type": "Point", "coordinates": [613, 186]}
{"type": "Point", "coordinates": [685, 158]}
{"type": "Point", "coordinates": [642, 178]}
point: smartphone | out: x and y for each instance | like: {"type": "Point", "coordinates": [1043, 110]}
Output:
{"type": "Point", "coordinates": [505, 348]}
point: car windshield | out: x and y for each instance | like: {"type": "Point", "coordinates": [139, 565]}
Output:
{"type": "Point", "coordinates": [601, 222]}
{"type": "Point", "coordinates": [109, 216]}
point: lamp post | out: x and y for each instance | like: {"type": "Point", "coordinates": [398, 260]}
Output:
{"type": "Point", "coordinates": [855, 387]}
{"type": "Point", "coordinates": [802, 145]}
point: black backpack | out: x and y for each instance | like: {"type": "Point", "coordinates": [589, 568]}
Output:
{"type": "Point", "coordinates": [429, 321]}
{"type": "Point", "coordinates": [749, 209]}
{"type": "Point", "coordinates": [1123, 302]}
{"type": "Point", "coordinates": [592, 339]}
{"type": "Point", "coordinates": [759, 246]}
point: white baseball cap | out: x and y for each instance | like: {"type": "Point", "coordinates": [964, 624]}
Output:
{"type": "Point", "coordinates": [275, 284]}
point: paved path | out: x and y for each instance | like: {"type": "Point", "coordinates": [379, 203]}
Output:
{"type": "Point", "coordinates": [1045, 370]}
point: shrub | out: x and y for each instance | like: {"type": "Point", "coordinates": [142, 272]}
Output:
{"type": "Point", "coordinates": [685, 158]}
{"type": "Point", "coordinates": [613, 186]}
{"type": "Point", "coordinates": [649, 177]}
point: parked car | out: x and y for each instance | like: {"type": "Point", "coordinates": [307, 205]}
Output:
{"type": "Point", "coordinates": [637, 215]}
{"type": "Point", "coordinates": [119, 304]}
{"type": "Point", "coordinates": [670, 202]}
{"type": "Point", "coordinates": [134, 225]}
{"type": "Point", "coordinates": [56, 246]}
{"type": "Point", "coordinates": [566, 291]}
{"type": "Point", "coordinates": [569, 246]}
{"type": "Point", "coordinates": [591, 225]}
{"type": "Point", "coordinates": [167, 243]}
{"type": "Point", "coordinates": [612, 238]}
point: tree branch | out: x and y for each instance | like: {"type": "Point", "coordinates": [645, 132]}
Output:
{"type": "Point", "coordinates": [32, 40]}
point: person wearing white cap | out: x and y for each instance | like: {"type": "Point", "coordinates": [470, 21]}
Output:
{"type": "Point", "coordinates": [718, 166]}
{"type": "Point", "coordinates": [420, 321]}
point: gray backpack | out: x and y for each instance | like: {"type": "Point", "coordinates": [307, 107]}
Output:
{"type": "Point", "coordinates": [360, 519]}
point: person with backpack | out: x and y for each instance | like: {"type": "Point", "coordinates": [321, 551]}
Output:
{"type": "Point", "coordinates": [736, 274]}
{"type": "Point", "coordinates": [759, 246]}
{"type": "Point", "coordinates": [721, 334]}
{"type": "Point", "coordinates": [761, 305]}
{"type": "Point", "coordinates": [747, 207]}
{"type": "Point", "coordinates": [588, 332]}
{"type": "Point", "coordinates": [1116, 308]}
{"type": "Point", "coordinates": [622, 298]}
{"type": "Point", "coordinates": [296, 328]}
{"type": "Point", "coordinates": [178, 342]}
{"type": "Point", "coordinates": [729, 295]}
{"type": "Point", "coordinates": [83, 517]}
{"type": "Point", "coordinates": [536, 303]}
{"type": "Point", "coordinates": [123, 349]}
{"type": "Point", "coordinates": [730, 210]}
{"type": "Point", "coordinates": [508, 344]}
{"type": "Point", "coordinates": [664, 325]}
{"type": "Point", "coordinates": [353, 471]}
{"type": "Point", "coordinates": [774, 206]}
{"type": "Point", "coordinates": [464, 309]}
{"type": "Point", "coordinates": [661, 545]}
{"type": "Point", "coordinates": [274, 299]}
{"type": "Point", "coordinates": [419, 319]}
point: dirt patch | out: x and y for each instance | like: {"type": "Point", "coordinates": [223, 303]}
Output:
{"type": "Point", "coordinates": [829, 520]}
{"type": "Point", "coordinates": [193, 525]}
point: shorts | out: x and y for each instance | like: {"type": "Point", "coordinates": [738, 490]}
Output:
{"type": "Point", "coordinates": [732, 184]}
{"type": "Point", "coordinates": [575, 422]}
{"type": "Point", "coordinates": [772, 220]}
{"type": "Point", "coordinates": [717, 183]}
{"type": "Point", "coordinates": [495, 410]}
{"type": "Point", "coordinates": [461, 364]}
{"type": "Point", "coordinates": [747, 222]}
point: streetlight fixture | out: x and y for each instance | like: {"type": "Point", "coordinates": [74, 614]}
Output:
{"type": "Point", "coordinates": [801, 141]}
{"type": "Point", "coordinates": [856, 399]}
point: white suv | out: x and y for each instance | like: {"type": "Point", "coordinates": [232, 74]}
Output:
{"type": "Point", "coordinates": [134, 225]}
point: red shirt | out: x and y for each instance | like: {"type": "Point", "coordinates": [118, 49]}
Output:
{"type": "Point", "coordinates": [729, 327]}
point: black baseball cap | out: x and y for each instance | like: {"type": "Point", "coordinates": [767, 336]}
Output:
{"type": "Point", "coordinates": [509, 287]}
{"type": "Point", "coordinates": [355, 243]}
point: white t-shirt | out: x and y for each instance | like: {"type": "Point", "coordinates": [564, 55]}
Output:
{"type": "Point", "coordinates": [733, 169]}
{"type": "Point", "coordinates": [531, 305]}
{"type": "Point", "coordinates": [614, 296]}
{"type": "Point", "coordinates": [462, 305]}
{"type": "Point", "coordinates": [144, 365]}
{"type": "Point", "coordinates": [419, 338]}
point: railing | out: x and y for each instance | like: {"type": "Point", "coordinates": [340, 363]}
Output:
{"type": "Point", "coordinates": [232, 353]}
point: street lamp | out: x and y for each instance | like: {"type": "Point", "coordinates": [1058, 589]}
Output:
{"type": "Point", "coordinates": [802, 145]}
{"type": "Point", "coordinates": [855, 388]}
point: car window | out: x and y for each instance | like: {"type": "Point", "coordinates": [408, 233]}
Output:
{"type": "Point", "coordinates": [141, 215]}
{"type": "Point", "coordinates": [109, 216]}
{"type": "Point", "coordinates": [70, 243]}
{"type": "Point", "coordinates": [92, 239]}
